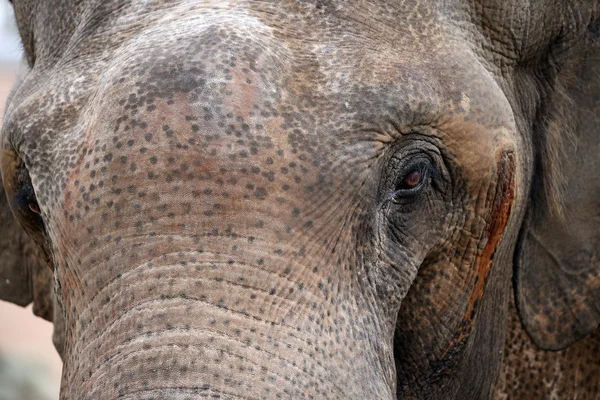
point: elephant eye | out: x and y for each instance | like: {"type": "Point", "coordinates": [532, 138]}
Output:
{"type": "Point", "coordinates": [35, 207]}
{"type": "Point", "coordinates": [25, 199]}
{"type": "Point", "coordinates": [412, 180]}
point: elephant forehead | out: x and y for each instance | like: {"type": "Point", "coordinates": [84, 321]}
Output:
{"type": "Point", "coordinates": [241, 85]}
{"type": "Point", "coordinates": [231, 83]}
{"type": "Point", "coordinates": [218, 86]}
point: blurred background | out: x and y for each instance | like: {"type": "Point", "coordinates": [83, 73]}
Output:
{"type": "Point", "coordinates": [29, 366]}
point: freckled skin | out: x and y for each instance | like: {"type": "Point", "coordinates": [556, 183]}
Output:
{"type": "Point", "coordinates": [220, 199]}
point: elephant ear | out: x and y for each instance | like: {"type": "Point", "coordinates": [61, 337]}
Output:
{"type": "Point", "coordinates": [24, 274]}
{"type": "Point", "coordinates": [557, 260]}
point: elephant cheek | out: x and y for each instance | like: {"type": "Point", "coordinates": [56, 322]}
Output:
{"type": "Point", "coordinates": [449, 291]}
{"type": "Point", "coordinates": [500, 206]}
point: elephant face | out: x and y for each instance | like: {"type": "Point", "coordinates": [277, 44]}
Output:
{"type": "Point", "coordinates": [299, 199]}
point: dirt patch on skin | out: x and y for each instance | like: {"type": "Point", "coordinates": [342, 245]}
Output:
{"type": "Point", "coordinates": [25, 338]}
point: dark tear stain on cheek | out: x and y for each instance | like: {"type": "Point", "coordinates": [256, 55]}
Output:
{"type": "Point", "coordinates": [500, 206]}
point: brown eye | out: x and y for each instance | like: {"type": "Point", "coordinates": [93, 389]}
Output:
{"type": "Point", "coordinates": [410, 183]}
{"type": "Point", "coordinates": [413, 179]}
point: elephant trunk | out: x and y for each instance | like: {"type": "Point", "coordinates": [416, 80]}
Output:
{"type": "Point", "coordinates": [196, 322]}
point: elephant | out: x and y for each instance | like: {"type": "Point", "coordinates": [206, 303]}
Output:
{"type": "Point", "coordinates": [308, 199]}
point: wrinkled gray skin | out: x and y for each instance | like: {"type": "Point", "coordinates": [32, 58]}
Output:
{"type": "Point", "coordinates": [306, 199]}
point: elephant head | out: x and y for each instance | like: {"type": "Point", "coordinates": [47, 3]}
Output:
{"type": "Point", "coordinates": [302, 199]}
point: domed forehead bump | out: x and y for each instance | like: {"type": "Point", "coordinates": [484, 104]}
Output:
{"type": "Point", "coordinates": [199, 68]}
